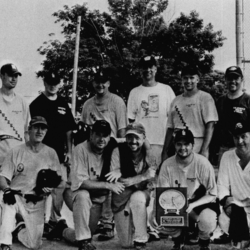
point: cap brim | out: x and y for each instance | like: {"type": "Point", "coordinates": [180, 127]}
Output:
{"type": "Point", "coordinates": [133, 132]}
{"type": "Point", "coordinates": [42, 123]}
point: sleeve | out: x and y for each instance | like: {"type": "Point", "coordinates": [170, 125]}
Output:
{"type": "Point", "coordinates": [79, 170]}
{"type": "Point", "coordinates": [163, 177]}
{"type": "Point", "coordinates": [121, 114]}
{"type": "Point", "coordinates": [132, 107]}
{"type": "Point", "coordinates": [223, 182]}
{"type": "Point", "coordinates": [115, 160]}
{"type": "Point", "coordinates": [208, 178]}
{"type": "Point", "coordinates": [7, 169]}
{"type": "Point", "coordinates": [171, 94]}
{"type": "Point", "coordinates": [208, 108]}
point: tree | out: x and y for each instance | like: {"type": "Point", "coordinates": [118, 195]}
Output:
{"type": "Point", "coordinates": [121, 37]}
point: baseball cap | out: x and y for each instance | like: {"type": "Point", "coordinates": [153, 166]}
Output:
{"type": "Point", "coordinates": [240, 127]}
{"type": "Point", "coordinates": [10, 69]}
{"type": "Point", "coordinates": [147, 61]}
{"type": "Point", "coordinates": [103, 74]}
{"type": "Point", "coordinates": [190, 70]}
{"type": "Point", "coordinates": [102, 126]}
{"type": "Point", "coordinates": [185, 135]}
{"type": "Point", "coordinates": [51, 78]}
{"type": "Point", "coordinates": [135, 128]}
{"type": "Point", "coordinates": [38, 120]}
{"type": "Point", "coordinates": [234, 70]}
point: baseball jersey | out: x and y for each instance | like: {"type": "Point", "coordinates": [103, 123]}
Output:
{"type": "Point", "coordinates": [232, 179]}
{"type": "Point", "coordinates": [196, 112]}
{"type": "Point", "coordinates": [59, 118]}
{"type": "Point", "coordinates": [198, 172]}
{"type": "Point", "coordinates": [22, 165]}
{"type": "Point", "coordinates": [87, 165]}
{"type": "Point", "coordinates": [150, 107]}
{"type": "Point", "coordinates": [14, 121]}
{"type": "Point", "coordinates": [231, 111]}
{"type": "Point", "coordinates": [112, 109]}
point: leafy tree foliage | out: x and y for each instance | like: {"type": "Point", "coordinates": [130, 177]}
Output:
{"type": "Point", "coordinates": [119, 39]}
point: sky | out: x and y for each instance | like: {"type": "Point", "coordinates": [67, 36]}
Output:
{"type": "Point", "coordinates": [26, 24]}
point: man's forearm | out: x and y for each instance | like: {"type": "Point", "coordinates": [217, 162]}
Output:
{"type": "Point", "coordinates": [89, 184]}
{"type": "Point", "coordinates": [69, 141]}
{"type": "Point", "coordinates": [208, 136]}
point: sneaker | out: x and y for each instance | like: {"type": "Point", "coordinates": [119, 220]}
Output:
{"type": "Point", "coordinates": [47, 228]}
{"type": "Point", "coordinates": [5, 247]}
{"type": "Point", "coordinates": [204, 244]}
{"type": "Point", "coordinates": [107, 233]}
{"type": "Point", "coordinates": [192, 238]}
{"type": "Point", "coordinates": [139, 245]}
{"type": "Point", "coordinates": [18, 228]}
{"type": "Point", "coordinates": [57, 231]}
{"type": "Point", "coordinates": [86, 245]}
{"type": "Point", "coordinates": [223, 239]}
{"type": "Point", "coordinates": [99, 229]}
{"type": "Point", "coordinates": [178, 246]}
{"type": "Point", "coordinates": [178, 242]}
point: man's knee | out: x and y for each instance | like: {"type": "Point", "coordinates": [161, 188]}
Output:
{"type": "Point", "coordinates": [138, 197]}
{"type": "Point", "coordinates": [207, 220]}
{"type": "Point", "coordinates": [81, 196]}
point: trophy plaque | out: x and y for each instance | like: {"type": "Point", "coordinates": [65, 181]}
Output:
{"type": "Point", "coordinates": [171, 205]}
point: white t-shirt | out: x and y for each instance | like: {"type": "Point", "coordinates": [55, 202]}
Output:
{"type": "Point", "coordinates": [199, 171]}
{"type": "Point", "coordinates": [87, 165]}
{"type": "Point", "coordinates": [196, 111]}
{"type": "Point", "coordinates": [232, 179]}
{"type": "Point", "coordinates": [150, 107]}
{"type": "Point", "coordinates": [14, 121]}
{"type": "Point", "coordinates": [113, 110]}
{"type": "Point", "coordinates": [21, 166]}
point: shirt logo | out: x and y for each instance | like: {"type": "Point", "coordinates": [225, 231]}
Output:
{"type": "Point", "coordinates": [20, 167]}
{"type": "Point", "coordinates": [238, 110]}
{"type": "Point", "coordinates": [61, 110]}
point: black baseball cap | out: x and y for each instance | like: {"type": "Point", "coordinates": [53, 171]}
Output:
{"type": "Point", "coordinates": [102, 126]}
{"type": "Point", "coordinates": [10, 69]}
{"type": "Point", "coordinates": [234, 70]}
{"type": "Point", "coordinates": [190, 70]}
{"type": "Point", "coordinates": [185, 135]}
{"type": "Point", "coordinates": [38, 120]}
{"type": "Point", "coordinates": [103, 74]}
{"type": "Point", "coordinates": [240, 127]}
{"type": "Point", "coordinates": [147, 62]}
{"type": "Point", "coordinates": [51, 78]}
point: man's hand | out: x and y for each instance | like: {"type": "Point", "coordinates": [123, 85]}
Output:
{"type": "Point", "coordinates": [150, 173]}
{"type": "Point", "coordinates": [9, 196]}
{"type": "Point", "coordinates": [116, 187]}
{"type": "Point", "coordinates": [68, 158]}
{"type": "Point", "coordinates": [47, 190]}
{"type": "Point", "coordinates": [114, 175]}
{"type": "Point", "coordinates": [190, 208]}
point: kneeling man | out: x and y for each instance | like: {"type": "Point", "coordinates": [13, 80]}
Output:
{"type": "Point", "coordinates": [18, 181]}
{"type": "Point", "coordinates": [234, 187]}
{"type": "Point", "coordinates": [194, 171]}
{"type": "Point", "coordinates": [130, 207]}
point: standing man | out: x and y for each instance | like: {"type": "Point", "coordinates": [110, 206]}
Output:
{"type": "Point", "coordinates": [111, 108]}
{"type": "Point", "coordinates": [189, 169]}
{"type": "Point", "coordinates": [149, 105]}
{"type": "Point", "coordinates": [61, 123]}
{"type": "Point", "coordinates": [232, 107]}
{"type": "Point", "coordinates": [14, 112]}
{"type": "Point", "coordinates": [234, 187]}
{"type": "Point", "coordinates": [195, 110]}
{"type": "Point", "coordinates": [130, 207]}
{"type": "Point", "coordinates": [18, 178]}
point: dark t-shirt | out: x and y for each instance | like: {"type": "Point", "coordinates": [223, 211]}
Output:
{"type": "Point", "coordinates": [59, 118]}
{"type": "Point", "coordinates": [230, 112]}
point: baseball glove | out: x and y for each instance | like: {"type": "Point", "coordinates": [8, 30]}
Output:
{"type": "Point", "coordinates": [45, 178]}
